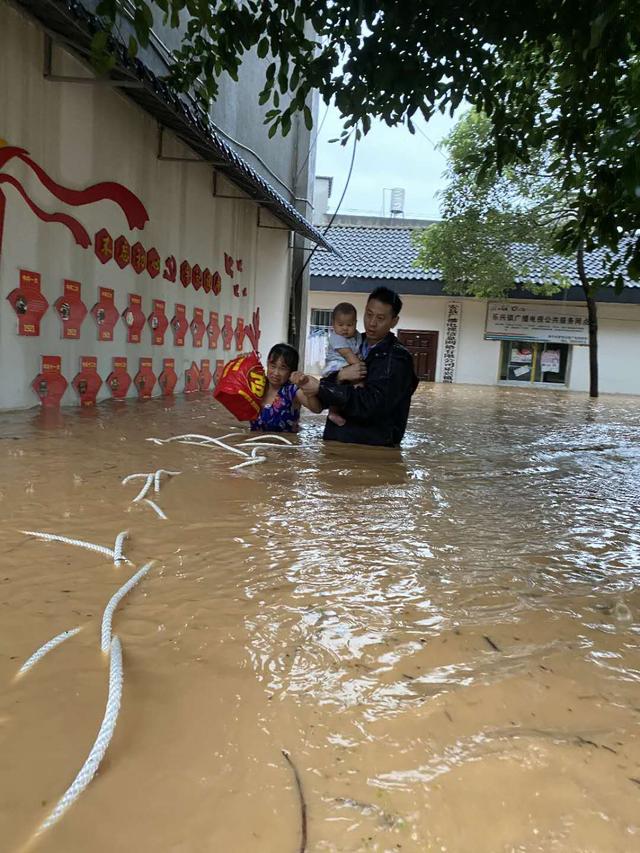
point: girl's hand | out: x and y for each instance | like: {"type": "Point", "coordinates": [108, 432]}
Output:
{"type": "Point", "coordinates": [299, 378]}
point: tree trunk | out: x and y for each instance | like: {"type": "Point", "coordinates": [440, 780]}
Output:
{"type": "Point", "coordinates": [592, 311]}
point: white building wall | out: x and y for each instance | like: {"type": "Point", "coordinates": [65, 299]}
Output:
{"type": "Point", "coordinates": [84, 134]}
{"type": "Point", "coordinates": [478, 361]}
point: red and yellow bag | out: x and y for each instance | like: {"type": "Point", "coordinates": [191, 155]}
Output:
{"type": "Point", "coordinates": [242, 386]}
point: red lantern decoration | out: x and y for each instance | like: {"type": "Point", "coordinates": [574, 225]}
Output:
{"type": "Point", "coordinates": [191, 379]}
{"type": "Point", "coordinates": [242, 386]}
{"type": "Point", "coordinates": [71, 309]}
{"type": "Point", "coordinates": [105, 314]}
{"type": "Point", "coordinates": [50, 384]}
{"type": "Point", "coordinates": [205, 374]}
{"type": "Point", "coordinates": [119, 380]}
{"type": "Point", "coordinates": [134, 318]}
{"type": "Point", "coordinates": [87, 383]}
{"type": "Point", "coordinates": [197, 327]}
{"type": "Point", "coordinates": [168, 377]}
{"type": "Point", "coordinates": [29, 304]}
{"type": "Point", "coordinates": [145, 379]}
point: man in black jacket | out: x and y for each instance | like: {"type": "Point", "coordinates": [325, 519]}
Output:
{"type": "Point", "coordinates": [377, 412]}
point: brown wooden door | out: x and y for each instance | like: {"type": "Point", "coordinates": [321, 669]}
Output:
{"type": "Point", "coordinates": [423, 347]}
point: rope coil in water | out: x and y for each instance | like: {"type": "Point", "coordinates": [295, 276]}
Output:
{"type": "Point", "coordinates": [115, 599]}
{"type": "Point", "coordinates": [143, 491]}
{"type": "Point", "coordinates": [47, 647]}
{"type": "Point", "coordinates": [89, 768]}
{"type": "Point", "coordinates": [119, 545]}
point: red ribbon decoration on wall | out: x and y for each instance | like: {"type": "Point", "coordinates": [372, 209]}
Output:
{"type": "Point", "coordinates": [87, 383]}
{"type": "Point", "coordinates": [29, 303]}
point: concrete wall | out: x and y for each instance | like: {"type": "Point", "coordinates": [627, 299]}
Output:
{"type": "Point", "coordinates": [80, 135]}
{"type": "Point", "coordinates": [478, 361]}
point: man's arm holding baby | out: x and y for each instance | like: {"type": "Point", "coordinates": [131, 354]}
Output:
{"type": "Point", "coordinates": [349, 355]}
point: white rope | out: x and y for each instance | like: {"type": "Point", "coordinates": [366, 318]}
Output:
{"type": "Point", "coordinates": [47, 647]}
{"type": "Point", "coordinates": [53, 537]}
{"type": "Point", "coordinates": [89, 768]}
{"type": "Point", "coordinates": [156, 508]}
{"type": "Point", "coordinates": [113, 603]}
{"type": "Point", "coordinates": [143, 491]}
{"type": "Point", "coordinates": [132, 477]}
{"type": "Point", "coordinates": [272, 435]}
{"type": "Point", "coordinates": [254, 461]}
{"type": "Point", "coordinates": [188, 438]}
{"type": "Point", "coordinates": [159, 474]}
{"type": "Point", "coordinates": [268, 444]}
{"type": "Point", "coordinates": [117, 548]}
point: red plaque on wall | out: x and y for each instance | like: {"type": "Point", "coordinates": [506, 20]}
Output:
{"type": "Point", "coordinates": [138, 258]}
{"type": "Point", "coordinates": [191, 379]}
{"type": "Point", "coordinates": [87, 383]}
{"type": "Point", "coordinates": [219, 369]}
{"type": "Point", "coordinates": [119, 380]}
{"type": "Point", "coordinates": [153, 263]}
{"type": "Point", "coordinates": [145, 379]}
{"type": "Point", "coordinates": [179, 325]}
{"type": "Point", "coordinates": [170, 269]}
{"type": "Point", "coordinates": [105, 314]}
{"type": "Point", "coordinates": [207, 280]}
{"type": "Point", "coordinates": [168, 377]}
{"type": "Point", "coordinates": [134, 318]}
{"type": "Point", "coordinates": [216, 283]}
{"type": "Point", "coordinates": [103, 245]}
{"type": "Point", "coordinates": [50, 384]}
{"type": "Point", "coordinates": [227, 332]}
{"type": "Point", "coordinates": [122, 252]}
{"type": "Point", "coordinates": [71, 309]}
{"type": "Point", "coordinates": [29, 304]}
{"type": "Point", "coordinates": [197, 327]}
{"type": "Point", "coordinates": [239, 334]}
{"type": "Point", "coordinates": [213, 329]}
{"type": "Point", "coordinates": [205, 374]}
{"type": "Point", "coordinates": [196, 277]}
{"type": "Point", "coordinates": [185, 273]}
{"type": "Point", "coordinates": [158, 321]}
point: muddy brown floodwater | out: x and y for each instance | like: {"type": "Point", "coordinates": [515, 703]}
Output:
{"type": "Point", "coordinates": [445, 640]}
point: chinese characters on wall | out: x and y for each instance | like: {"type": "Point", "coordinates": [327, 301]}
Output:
{"type": "Point", "coordinates": [450, 348]}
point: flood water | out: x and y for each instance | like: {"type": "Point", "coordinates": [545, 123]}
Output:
{"type": "Point", "coordinates": [445, 640]}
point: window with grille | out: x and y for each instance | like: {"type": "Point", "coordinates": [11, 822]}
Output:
{"type": "Point", "coordinates": [320, 318]}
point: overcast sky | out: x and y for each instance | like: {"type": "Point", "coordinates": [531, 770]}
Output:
{"type": "Point", "coordinates": [387, 157]}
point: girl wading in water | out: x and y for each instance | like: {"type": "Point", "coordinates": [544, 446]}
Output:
{"type": "Point", "coordinates": [282, 399]}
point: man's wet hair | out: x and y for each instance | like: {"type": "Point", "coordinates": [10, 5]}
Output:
{"type": "Point", "coordinates": [344, 309]}
{"type": "Point", "coordinates": [389, 297]}
{"type": "Point", "coordinates": [287, 353]}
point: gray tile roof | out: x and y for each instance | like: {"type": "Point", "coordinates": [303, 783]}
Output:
{"type": "Point", "coordinates": [389, 253]}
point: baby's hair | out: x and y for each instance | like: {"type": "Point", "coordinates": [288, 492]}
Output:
{"type": "Point", "coordinates": [288, 354]}
{"type": "Point", "coordinates": [344, 309]}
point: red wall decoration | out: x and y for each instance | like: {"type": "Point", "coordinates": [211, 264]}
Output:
{"type": "Point", "coordinates": [145, 379]}
{"type": "Point", "coordinates": [50, 384]}
{"type": "Point", "coordinates": [71, 309]}
{"type": "Point", "coordinates": [228, 265]}
{"type": "Point", "coordinates": [216, 285]}
{"type": "Point", "coordinates": [227, 332]}
{"type": "Point", "coordinates": [239, 264]}
{"type": "Point", "coordinates": [119, 380]}
{"type": "Point", "coordinates": [153, 263]}
{"type": "Point", "coordinates": [138, 258]}
{"type": "Point", "coordinates": [197, 327]}
{"type": "Point", "coordinates": [213, 329]}
{"type": "Point", "coordinates": [87, 383]}
{"type": "Point", "coordinates": [185, 273]}
{"type": "Point", "coordinates": [236, 290]}
{"type": "Point", "coordinates": [191, 379]}
{"type": "Point", "coordinates": [103, 245]}
{"type": "Point", "coordinates": [105, 314]}
{"type": "Point", "coordinates": [134, 318]}
{"type": "Point", "coordinates": [205, 374]}
{"type": "Point", "coordinates": [219, 369]}
{"type": "Point", "coordinates": [170, 269]}
{"type": "Point", "coordinates": [179, 325]}
{"type": "Point", "coordinates": [207, 280]}
{"type": "Point", "coordinates": [252, 330]}
{"type": "Point", "coordinates": [168, 377]}
{"type": "Point", "coordinates": [239, 334]}
{"type": "Point", "coordinates": [196, 277]}
{"type": "Point", "coordinates": [158, 321]}
{"type": "Point", "coordinates": [122, 252]}
{"type": "Point", "coordinates": [28, 302]}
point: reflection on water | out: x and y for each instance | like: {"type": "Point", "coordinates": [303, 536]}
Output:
{"type": "Point", "coordinates": [444, 639]}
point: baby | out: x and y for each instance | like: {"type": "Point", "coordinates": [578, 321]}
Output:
{"type": "Point", "coordinates": [343, 347]}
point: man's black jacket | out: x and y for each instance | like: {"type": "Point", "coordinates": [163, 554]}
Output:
{"type": "Point", "coordinates": [376, 413]}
